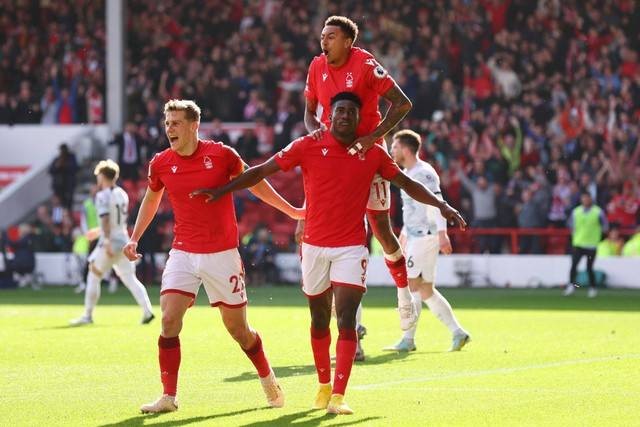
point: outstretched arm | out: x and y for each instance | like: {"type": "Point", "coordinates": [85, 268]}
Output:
{"type": "Point", "coordinates": [248, 178]}
{"type": "Point", "coordinates": [422, 194]}
{"type": "Point", "coordinates": [400, 107]}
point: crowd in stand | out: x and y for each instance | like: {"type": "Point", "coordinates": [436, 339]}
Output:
{"type": "Point", "coordinates": [521, 104]}
{"type": "Point", "coordinates": [52, 56]}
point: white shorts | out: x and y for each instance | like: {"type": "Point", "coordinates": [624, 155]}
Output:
{"type": "Point", "coordinates": [421, 254]}
{"type": "Point", "coordinates": [104, 263]}
{"type": "Point", "coordinates": [379, 194]}
{"type": "Point", "coordinates": [324, 267]}
{"type": "Point", "coordinates": [221, 273]}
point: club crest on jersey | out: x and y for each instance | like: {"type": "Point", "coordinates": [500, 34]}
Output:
{"type": "Point", "coordinates": [208, 164]}
{"type": "Point", "coordinates": [174, 169]}
{"type": "Point", "coordinates": [349, 80]}
{"type": "Point", "coordinates": [325, 151]}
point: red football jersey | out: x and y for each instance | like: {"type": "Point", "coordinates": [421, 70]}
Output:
{"type": "Point", "coordinates": [336, 186]}
{"type": "Point", "coordinates": [199, 227]}
{"type": "Point", "coordinates": [361, 74]}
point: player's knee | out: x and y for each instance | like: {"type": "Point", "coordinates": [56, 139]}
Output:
{"type": "Point", "coordinates": [171, 324]}
{"type": "Point", "coordinates": [427, 290]}
{"type": "Point", "coordinates": [93, 269]}
{"type": "Point", "coordinates": [240, 333]}
{"type": "Point", "coordinates": [346, 319]}
{"type": "Point", "coordinates": [320, 320]}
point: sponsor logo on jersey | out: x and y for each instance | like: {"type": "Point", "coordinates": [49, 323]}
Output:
{"type": "Point", "coordinates": [324, 76]}
{"type": "Point", "coordinates": [325, 151]}
{"type": "Point", "coordinates": [174, 168]}
{"type": "Point", "coordinates": [208, 164]}
{"type": "Point", "coordinates": [349, 80]}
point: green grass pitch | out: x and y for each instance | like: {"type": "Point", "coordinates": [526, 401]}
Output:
{"type": "Point", "coordinates": [536, 359]}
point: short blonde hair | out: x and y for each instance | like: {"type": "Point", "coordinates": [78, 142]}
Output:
{"type": "Point", "coordinates": [409, 139]}
{"type": "Point", "coordinates": [108, 168]}
{"type": "Point", "coordinates": [190, 108]}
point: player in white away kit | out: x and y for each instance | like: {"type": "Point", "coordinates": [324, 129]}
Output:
{"type": "Point", "coordinates": [424, 234]}
{"type": "Point", "coordinates": [112, 206]}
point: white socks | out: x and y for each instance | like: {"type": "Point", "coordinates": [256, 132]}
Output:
{"type": "Point", "coordinates": [404, 295]}
{"type": "Point", "coordinates": [359, 315]}
{"type": "Point", "coordinates": [417, 302]}
{"type": "Point", "coordinates": [91, 294]}
{"type": "Point", "coordinates": [440, 307]}
{"type": "Point", "coordinates": [138, 291]}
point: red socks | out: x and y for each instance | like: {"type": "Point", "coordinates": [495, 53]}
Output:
{"type": "Point", "coordinates": [345, 353]}
{"type": "Point", "coordinates": [169, 357]}
{"type": "Point", "coordinates": [320, 343]}
{"type": "Point", "coordinates": [398, 270]}
{"type": "Point", "coordinates": [258, 358]}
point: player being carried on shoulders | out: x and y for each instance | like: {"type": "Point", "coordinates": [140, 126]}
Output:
{"type": "Point", "coordinates": [334, 256]}
{"type": "Point", "coordinates": [344, 67]}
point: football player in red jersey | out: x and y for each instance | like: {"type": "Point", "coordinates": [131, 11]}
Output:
{"type": "Point", "coordinates": [344, 67]}
{"type": "Point", "coordinates": [333, 255]}
{"type": "Point", "coordinates": [204, 250]}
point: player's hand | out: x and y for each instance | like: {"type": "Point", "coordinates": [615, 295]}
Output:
{"type": "Point", "coordinates": [317, 134]}
{"type": "Point", "coordinates": [92, 234]}
{"type": "Point", "coordinates": [298, 213]}
{"type": "Point", "coordinates": [130, 250]}
{"type": "Point", "coordinates": [362, 144]}
{"type": "Point", "coordinates": [211, 194]}
{"type": "Point", "coordinates": [452, 216]}
{"type": "Point", "coordinates": [299, 231]}
{"type": "Point", "coordinates": [445, 242]}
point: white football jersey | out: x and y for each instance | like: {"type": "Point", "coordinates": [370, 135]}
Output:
{"type": "Point", "coordinates": [115, 203]}
{"type": "Point", "coordinates": [420, 219]}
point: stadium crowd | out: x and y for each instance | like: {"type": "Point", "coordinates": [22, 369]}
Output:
{"type": "Point", "coordinates": [521, 104]}
{"type": "Point", "coordinates": [52, 62]}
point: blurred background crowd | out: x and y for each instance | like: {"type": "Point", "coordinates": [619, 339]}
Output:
{"type": "Point", "coordinates": [521, 104]}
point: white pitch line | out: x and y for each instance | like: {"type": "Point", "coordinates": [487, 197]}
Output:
{"type": "Point", "coordinates": [468, 374]}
